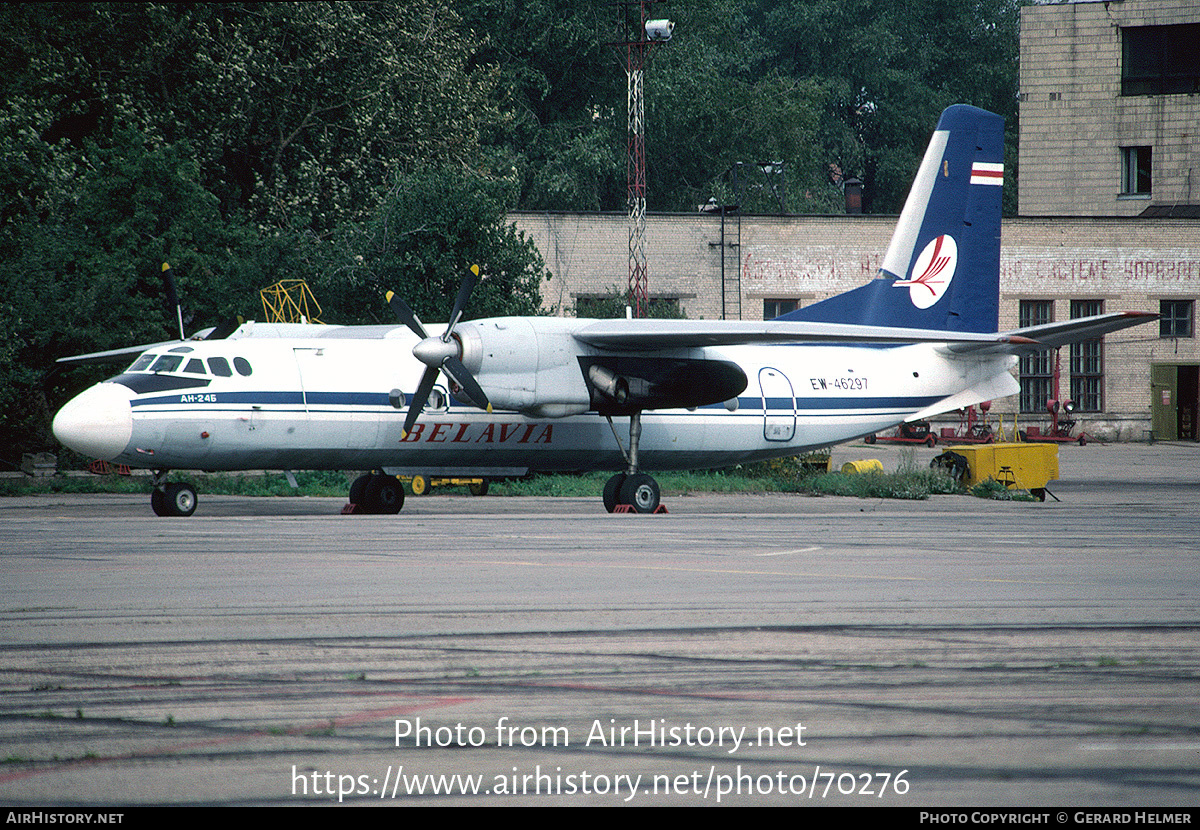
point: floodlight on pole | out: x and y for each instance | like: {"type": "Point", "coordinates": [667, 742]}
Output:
{"type": "Point", "coordinates": [637, 42]}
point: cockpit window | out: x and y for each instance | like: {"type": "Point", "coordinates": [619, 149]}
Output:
{"type": "Point", "coordinates": [167, 363]}
{"type": "Point", "coordinates": [195, 366]}
{"type": "Point", "coordinates": [142, 363]}
{"type": "Point", "coordinates": [242, 365]}
{"type": "Point", "coordinates": [220, 367]}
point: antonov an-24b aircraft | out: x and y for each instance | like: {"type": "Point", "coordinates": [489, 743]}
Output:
{"type": "Point", "coordinates": [503, 396]}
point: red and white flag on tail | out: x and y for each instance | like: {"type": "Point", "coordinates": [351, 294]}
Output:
{"type": "Point", "coordinates": [983, 172]}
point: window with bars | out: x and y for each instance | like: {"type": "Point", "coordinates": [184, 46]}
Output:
{"type": "Point", "coordinates": [1176, 318]}
{"type": "Point", "coordinates": [1037, 369]}
{"type": "Point", "coordinates": [1087, 362]}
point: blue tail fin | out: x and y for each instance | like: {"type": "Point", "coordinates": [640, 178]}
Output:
{"type": "Point", "coordinates": [942, 267]}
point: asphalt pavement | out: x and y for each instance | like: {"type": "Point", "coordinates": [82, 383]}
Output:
{"type": "Point", "coordinates": [771, 649]}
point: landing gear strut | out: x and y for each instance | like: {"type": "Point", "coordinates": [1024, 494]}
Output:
{"type": "Point", "coordinates": [175, 499]}
{"type": "Point", "coordinates": [632, 489]}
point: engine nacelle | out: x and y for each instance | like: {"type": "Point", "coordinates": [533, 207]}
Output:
{"type": "Point", "coordinates": [536, 366]}
{"type": "Point", "coordinates": [526, 364]}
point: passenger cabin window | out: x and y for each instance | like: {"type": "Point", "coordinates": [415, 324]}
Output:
{"type": "Point", "coordinates": [220, 367]}
{"type": "Point", "coordinates": [243, 366]}
{"type": "Point", "coordinates": [195, 366]}
{"type": "Point", "coordinates": [167, 363]}
{"type": "Point", "coordinates": [142, 363]}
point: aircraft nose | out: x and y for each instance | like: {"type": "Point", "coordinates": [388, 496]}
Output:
{"type": "Point", "coordinates": [97, 422]}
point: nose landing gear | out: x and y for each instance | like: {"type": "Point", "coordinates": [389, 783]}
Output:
{"type": "Point", "coordinates": [175, 499]}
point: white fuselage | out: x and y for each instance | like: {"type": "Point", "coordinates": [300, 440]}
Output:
{"type": "Point", "coordinates": [286, 399]}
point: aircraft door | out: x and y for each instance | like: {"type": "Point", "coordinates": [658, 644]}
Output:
{"type": "Point", "coordinates": [334, 399]}
{"type": "Point", "coordinates": [779, 405]}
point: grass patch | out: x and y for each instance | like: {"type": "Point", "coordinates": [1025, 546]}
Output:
{"type": "Point", "coordinates": [992, 489]}
{"type": "Point", "coordinates": [783, 475]}
{"type": "Point", "coordinates": [312, 483]}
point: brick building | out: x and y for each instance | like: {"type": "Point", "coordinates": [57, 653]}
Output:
{"type": "Point", "coordinates": [1110, 108]}
{"type": "Point", "coordinates": [1110, 116]}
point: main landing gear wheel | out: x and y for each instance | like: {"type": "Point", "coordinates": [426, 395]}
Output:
{"type": "Point", "coordinates": [612, 491]}
{"type": "Point", "coordinates": [358, 489]}
{"type": "Point", "coordinates": [377, 493]}
{"type": "Point", "coordinates": [640, 491]}
{"type": "Point", "coordinates": [177, 499]}
{"type": "Point", "coordinates": [631, 489]}
{"type": "Point", "coordinates": [384, 495]}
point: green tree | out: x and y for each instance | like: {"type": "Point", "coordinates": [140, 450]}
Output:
{"type": "Point", "coordinates": [563, 89]}
{"type": "Point", "coordinates": [433, 225]}
{"type": "Point", "coordinates": [80, 274]}
{"type": "Point", "coordinates": [888, 70]}
{"type": "Point", "coordinates": [237, 141]}
{"type": "Point", "coordinates": [297, 114]}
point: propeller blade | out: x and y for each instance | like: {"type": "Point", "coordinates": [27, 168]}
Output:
{"type": "Point", "coordinates": [406, 315]}
{"type": "Point", "coordinates": [454, 367]}
{"type": "Point", "coordinates": [438, 354]}
{"type": "Point", "coordinates": [460, 302]}
{"type": "Point", "coordinates": [419, 399]}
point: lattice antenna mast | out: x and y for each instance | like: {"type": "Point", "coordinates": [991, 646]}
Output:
{"type": "Point", "coordinates": [639, 35]}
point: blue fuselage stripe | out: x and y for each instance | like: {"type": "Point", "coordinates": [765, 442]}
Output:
{"type": "Point", "coordinates": [376, 402]}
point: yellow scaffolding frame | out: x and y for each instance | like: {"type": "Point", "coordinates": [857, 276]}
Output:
{"type": "Point", "coordinates": [290, 301]}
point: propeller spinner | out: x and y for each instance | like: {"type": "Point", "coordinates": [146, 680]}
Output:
{"type": "Point", "coordinates": [440, 354]}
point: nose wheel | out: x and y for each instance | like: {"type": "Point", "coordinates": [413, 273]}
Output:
{"type": "Point", "coordinates": [175, 499]}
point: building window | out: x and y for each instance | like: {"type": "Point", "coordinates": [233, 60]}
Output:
{"type": "Point", "coordinates": [1160, 60]}
{"type": "Point", "coordinates": [1175, 318]}
{"type": "Point", "coordinates": [1037, 369]}
{"type": "Point", "coordinates": [1087, 362]}
{"type": "Point", "coordinates": [777, 308]}
{"type": "Point", "coordinates": [612, 307]}
{"type": "Point", "coordinates": [1135, 171]}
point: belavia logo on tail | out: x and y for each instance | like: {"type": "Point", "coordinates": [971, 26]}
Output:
{"type": "Point", "coordinates": [935, 268]}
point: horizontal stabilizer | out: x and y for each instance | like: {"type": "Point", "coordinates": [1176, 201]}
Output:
{"type": "Point", "coordinates": [1050, 335]}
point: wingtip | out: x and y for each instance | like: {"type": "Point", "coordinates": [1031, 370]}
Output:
{"type": "Point", "coordinates": [388, 296]}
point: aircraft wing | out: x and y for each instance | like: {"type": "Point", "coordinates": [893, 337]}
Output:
{"type": "Point", "coordinates": [112, 355]}
{"type": "Point", "coordinates": [653, 335]}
